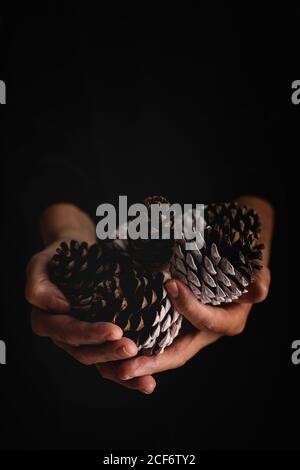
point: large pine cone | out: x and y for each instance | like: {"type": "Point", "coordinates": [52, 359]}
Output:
{"type": "Point", "coordinates": [220, 270]}
{"type": "Point", "coordinates": [108, 287]}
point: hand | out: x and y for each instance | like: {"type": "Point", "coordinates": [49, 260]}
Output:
{"type": "Point", "coordinates": [206, 325]}
{"type": "Point", "coordinates": [88, 343]}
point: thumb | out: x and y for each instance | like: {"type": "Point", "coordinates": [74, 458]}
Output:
{"type": "Point", "coordinates": [185, 302]}
{"type": "Point", "coordinates": [40, 291]}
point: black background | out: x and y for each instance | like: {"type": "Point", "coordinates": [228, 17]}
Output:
{"type": "Point", "coordinates": [241, 392]}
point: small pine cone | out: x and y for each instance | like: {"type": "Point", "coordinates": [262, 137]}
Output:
{"type": "Point", "coordinates": [77, 268]}
{"type": "Point", "coordinates": [108, 287]}
{"type": "Point", "coordinates": [220, 271]}
{"type": "Point", "coordinates": [154, 253]}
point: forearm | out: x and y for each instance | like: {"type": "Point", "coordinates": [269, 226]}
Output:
{"type": "Point", "coordinates": [266, 214]}
{"type": "Point", "coordinates": [66, 221]}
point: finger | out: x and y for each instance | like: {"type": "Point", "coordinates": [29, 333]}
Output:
{"type": "Point", "coordinates": [229, 320]}
{"type": "Point", "coordinates": [73, 332]}
{"type": "Point", "coordinates": [144, 384]}
{"type": "Point", "coordinates": [112, 351]}
{"type": "Point", "coordinates": [183, 348]}
{"type": "Point", "coordinates": [259, 289]}
{"type": "Point", "coordinates": [39, 291]}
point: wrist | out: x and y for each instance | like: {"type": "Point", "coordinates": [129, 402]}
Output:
{"type": "Point", "coordinates": [66, 222]}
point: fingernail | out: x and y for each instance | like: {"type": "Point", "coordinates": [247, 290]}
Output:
{"type": "Point", "coordinates": [58, 294]}
{"type": "Point", "coordinates": [127, 351]}
{"type": "Point", "coordinates": [172, 289]}
{"type": "Point", "coordinates": [147, 391]}
{"type": "Point", "coordinates": [115, 335]}
{"type": "Point", "coordinates": [125, 377]}
{"type": "Point", "coordinates": [56, 303]}
{"type": "Point", "coordinates": [131, 349]}
{"type": "Point", "coordinates": [63, 302]}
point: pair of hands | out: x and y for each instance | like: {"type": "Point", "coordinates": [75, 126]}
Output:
{"type": "Point", "coordinates": [115, 356]}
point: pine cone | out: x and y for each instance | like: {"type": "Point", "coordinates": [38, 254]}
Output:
{"type": "Point", "coordinates": [231, 214]}
{"type": "Point", "coordinates": [224, 266]}
{"type": "Point", "coordinates": [153, 253]}
{"type": "Point", "coordinates": [108, 287]}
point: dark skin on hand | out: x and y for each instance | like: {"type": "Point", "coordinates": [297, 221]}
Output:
{"type": "Point", "coordinates": [102, 344]}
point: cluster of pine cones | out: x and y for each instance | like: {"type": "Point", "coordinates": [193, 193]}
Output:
{"type": "Point", "coordinates": [123, 281]}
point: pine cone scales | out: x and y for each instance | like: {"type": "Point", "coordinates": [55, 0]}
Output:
{"type": "Point", "coordinates": [231, 215]}
{"type": "Point", "coordinates": [102, 287]}
{"type": "Point", "coordinates": [77, 268]}
{"type": "Point", "coordinates": [220, 271]}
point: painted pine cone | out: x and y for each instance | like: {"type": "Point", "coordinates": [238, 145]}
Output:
{"type": "Point", "coordinates": [220, 270]}
{"type": "Point", "coordinates": [108, 287]}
